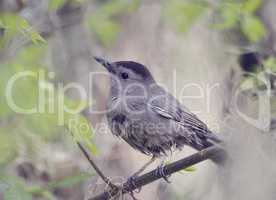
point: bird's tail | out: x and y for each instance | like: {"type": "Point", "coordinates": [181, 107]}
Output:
{"type": "Point", "coordinates": [212, 139]}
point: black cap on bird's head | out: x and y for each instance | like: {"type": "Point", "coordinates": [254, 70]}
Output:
{"type": "Point", "coordinates": [127, 69]}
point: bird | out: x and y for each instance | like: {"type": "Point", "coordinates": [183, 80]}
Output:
{"type": "Point", "coordinates": [147, 117]}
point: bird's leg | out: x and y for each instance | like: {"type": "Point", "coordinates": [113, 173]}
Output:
{"type": "Point", "coordinates": [160, 172]}
{"type": "Point", "coordinates": [131, 179]}
{"type": "Point", "coordinates": [144, 166]}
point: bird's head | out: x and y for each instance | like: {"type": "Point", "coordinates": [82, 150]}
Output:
{"type": "Point", "coordinates": [127, 73]}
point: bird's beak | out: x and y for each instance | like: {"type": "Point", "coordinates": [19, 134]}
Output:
{"type": "Point", "coordinates": [105, 63]}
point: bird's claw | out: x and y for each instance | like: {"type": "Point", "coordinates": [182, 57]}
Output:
{"type": "Point", "coordinates": [114, 189]}
{"type": "Point", "coordinates": [131, 183]}
{"type": "Point", "coordinates": [160, 172]}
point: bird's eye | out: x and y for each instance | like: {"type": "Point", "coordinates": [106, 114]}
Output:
{"type": "Point", "coordinates": [124, 75]}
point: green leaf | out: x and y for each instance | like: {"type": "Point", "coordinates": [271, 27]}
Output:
{"type": "Point", "coordinates": [17, 193]}
{"type": "Point", "coordinates": [24, 90]}
{"type": "Point", "coordinates": [50, 121]}
{"type": "Point", "coordinates": [104, 28]}
{"type": "Point", "coordinates": [36, 37]}
{"type": "Point", "coordinates": [253, 28]}
{"type": "Point", "coordinates": [251, 6]}
{"type": "Point", "coordinates": [189, 169]}
{"type": "Point", "coordinates": [56, 4]}
{"type": "Point", "coordinates": [15, 189]}
{"type": "Point", "coordinates": [48, 195]}
{"type": "Point", "coordinates": [14, 24]}
{"type": "Point", "coordinates": [7, 146]}
{"type": "Point", "coordinates": [230, 13]}
{"type": "Point", "coordinates": [44, 124]}
{"type": "Point", "coordinates": [102, 22]}
{"type": "Point", "coordinates": [183, 13]}
{"type": "Point", "coordinates": [133, 6]}
{"type": "Point", "coordinates": [29, 32]}
{"type": "Point", "coordinates": [30, 57]}
{"type": "Point", "coordinates": [5, 73]}
{"type": "Point", "coordinates": [270, 63]}
{"type": "Point", "coordinates": [248, 83]}
{"type": "Point", "coordinates": [80, 128]}
{"type": "Point", "coordinates": [24, 93]}
{"type": "Point", "coordinates": [8, 21]}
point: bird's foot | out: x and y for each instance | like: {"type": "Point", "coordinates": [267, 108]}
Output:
{"type": "Point", "coordinates": [160, 172]}
{"type": "Point", "coordinates": [118, 190]}
{"type": "Point", "coordinates": [114, 190]}
{"type": "Point", "coordinates": [131, 183]}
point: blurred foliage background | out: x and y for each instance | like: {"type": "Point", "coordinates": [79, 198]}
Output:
{"type": "Point", "coordinates": [38, 156]}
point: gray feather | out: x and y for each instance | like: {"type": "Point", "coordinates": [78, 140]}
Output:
{"type": "Point", "coordinates": [156, 123]}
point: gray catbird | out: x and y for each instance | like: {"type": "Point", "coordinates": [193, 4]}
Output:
{"type": "Point", "coordinates": [147, 117]}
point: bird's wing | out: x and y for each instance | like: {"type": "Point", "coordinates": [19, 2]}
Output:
{"type": "Point", "coordinates": [168, 107]}
{"type": "Point", "coordinates": [175, 111]}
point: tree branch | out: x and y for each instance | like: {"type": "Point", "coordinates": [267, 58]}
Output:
{"type": "Point", "coordinates": [169, 169]}
{"type": "Point", "coordinates": [97, 169]}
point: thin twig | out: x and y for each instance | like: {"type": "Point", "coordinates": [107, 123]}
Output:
{"type": "Point", "coordinates": [169, 169]}
{"type": "Point", "coordinates": [97, 169]}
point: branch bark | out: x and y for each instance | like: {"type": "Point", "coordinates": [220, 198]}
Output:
{"type": "Point", "coordinates": [169, 169]}
{"type": "Point", "coordinates": [96, 168]}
